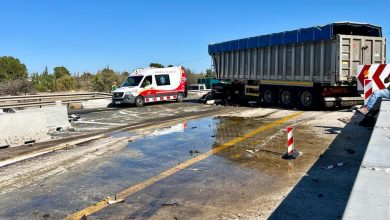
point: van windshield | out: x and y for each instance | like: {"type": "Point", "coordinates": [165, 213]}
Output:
{"type": "Point", "coordinates": [132, 81]}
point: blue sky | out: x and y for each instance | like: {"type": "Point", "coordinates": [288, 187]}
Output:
{"type": "Point", "coordinates": [86, 35]}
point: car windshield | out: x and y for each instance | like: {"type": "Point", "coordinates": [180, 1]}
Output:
{"type": "Point", "coordinates": [132, 81]}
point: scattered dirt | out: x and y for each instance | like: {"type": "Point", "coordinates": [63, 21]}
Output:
{"type": "Point", "coordinates": [246, 181]}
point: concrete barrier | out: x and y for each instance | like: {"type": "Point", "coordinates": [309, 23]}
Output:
{"type": "Point", "coordinates": [370, 196]}
{"type": "Point", "coordinates": [98, 103]}
{"type": "Point", "coordinates": [31, 125]}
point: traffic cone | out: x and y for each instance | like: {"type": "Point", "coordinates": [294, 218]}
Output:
{"type": "Point", "coordinates": [291, 152]}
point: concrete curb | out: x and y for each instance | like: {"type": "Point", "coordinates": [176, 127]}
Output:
{"type": "Point", "coordinates": [370, 196]}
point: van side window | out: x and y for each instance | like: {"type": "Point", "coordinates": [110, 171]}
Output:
{"type": "Point", "coordinates": [162, 80]}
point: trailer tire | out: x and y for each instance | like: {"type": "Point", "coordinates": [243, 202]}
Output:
{"type": "Point", "coordinates": [268, 97]}
{"type": "Point", "coordinates": [179, 97]}
{"type": "Point", "coordinates": [139, 101]}
{"type": "Point", "coordinates": [307, 99]}
{"type": "Point", "coordinates": [286, 98]}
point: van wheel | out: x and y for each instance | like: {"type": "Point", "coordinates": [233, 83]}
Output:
{"type": "Point", "coordinates": [179, 97]}
{"type": "Point", "coordinates": [139, 101]}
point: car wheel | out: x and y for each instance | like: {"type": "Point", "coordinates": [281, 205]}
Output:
{"type": "Point", "coordinates": [179, 97]}
{"type": "Point", "coordinates": [139, 101]}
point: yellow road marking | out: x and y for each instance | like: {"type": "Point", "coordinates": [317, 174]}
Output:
{"type": "Point", "coordinates": [140, 186]}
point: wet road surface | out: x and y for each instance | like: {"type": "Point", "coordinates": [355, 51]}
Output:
{"type": "Point", "coordinates": [246, 179]}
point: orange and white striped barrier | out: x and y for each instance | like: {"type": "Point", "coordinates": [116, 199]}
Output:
{"type": "Point", "coordinates": [291, 152]}
{"type": "Point", "coordinates": [367, 90]}
{"type": "Point", "coordinates": [376, 72]}
{"type": "Point", "coordinates": [290, 141]}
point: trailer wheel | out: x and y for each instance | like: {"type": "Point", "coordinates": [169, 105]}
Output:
{"type": "Point", "coordinates": [307, 99]}
{"type": "Point", "coordinates": [179, 97]}
{"type": "Point", "coordinates": [268, 97]}
{"type": "Point", "coordinates": [139, 101]}
{"type": "Point", "coordinates": [286, 98]}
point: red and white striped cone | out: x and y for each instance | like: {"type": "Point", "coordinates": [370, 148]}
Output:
{"type": "Point", "coordinates": [291, 152]}
{"type": "Point", "coordinates": [367, 90]}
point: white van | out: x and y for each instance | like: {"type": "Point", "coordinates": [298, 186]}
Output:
{"type": "Point", "coordinates": [152, 85]}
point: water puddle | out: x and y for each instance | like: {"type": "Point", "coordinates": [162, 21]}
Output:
{"type": "Point", "coordinates": [149, 153]}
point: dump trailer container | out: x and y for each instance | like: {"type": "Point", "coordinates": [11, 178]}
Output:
{"type": "Point", "coordinates": [302, 67]}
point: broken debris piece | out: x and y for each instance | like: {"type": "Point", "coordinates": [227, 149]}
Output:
{"type": "Point", "coordinates": [194, 152]}
{"type": "Point", "coordinates": [73, 117]}
{"type": "Point", "coordinates": [170, 204]}
{"type": "Point", "coordinates": [113, 201]}
{"type": "Point", "coordinates": [334, 166]}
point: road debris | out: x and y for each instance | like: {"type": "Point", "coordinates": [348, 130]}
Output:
{"type": "Point", "coordinates": [114, 201]}
{"type": "Point", "coordinates": [192, 152]}
{"type": "Point", "coordinates": [170, 204]}
{"type": "Point", "coordinates": [73, 118]}
{"type": "Point", "coordinates": [210, 102]}
{"type": "Point", "coordinates": [46, 216]}
{"type": "Point", "coordinates": [334, 166]}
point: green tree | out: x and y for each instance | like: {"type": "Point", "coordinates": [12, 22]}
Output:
{"type": "Point", "coordinates": [11, 69]}
{"type": "Point", "coordinates": [66, 83]}
{"type": "Point", "coordinates": [209, 74]}
{"type": "Point", "coordinates": [45, 71]}
{"type": "Point", "coordinates": [60, 71]}
{"type": "Point", "coordinates": [170, 65]}
{"type": "Point", "coordinates": [103, 80]}
{"type": "Point", "coordinates": [85, 81]}
{"type": "Point", "coordinates": [43, 82]}
{"type": "Point", "coordinates": [192, 78]}
{"type": "Point", "coordinates": [156, 65]}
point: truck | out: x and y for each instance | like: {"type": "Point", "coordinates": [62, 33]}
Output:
{"type": "Point", "coordinates": [148, 85]}
{"type": "Point", "coordinates": [304, 68]}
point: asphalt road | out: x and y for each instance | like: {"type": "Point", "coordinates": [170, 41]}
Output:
{"type": "Point", "coordinates": [223, 164]}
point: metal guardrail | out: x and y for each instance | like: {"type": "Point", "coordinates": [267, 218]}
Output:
{"type": "Point", "coordinates": [48, 99]}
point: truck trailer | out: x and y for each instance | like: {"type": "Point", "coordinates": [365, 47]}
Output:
{"type": "Point", "coordinates": [303, 68]}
